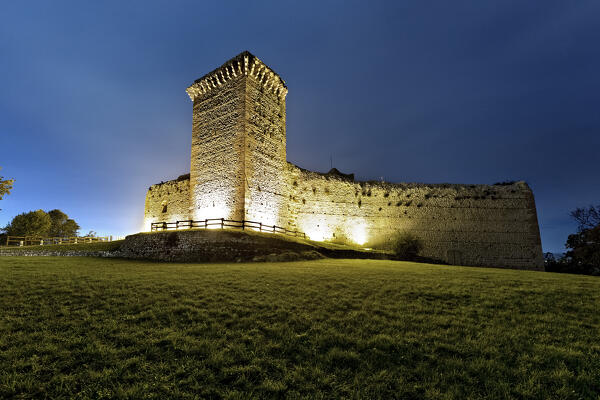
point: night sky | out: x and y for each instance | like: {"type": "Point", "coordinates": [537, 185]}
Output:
{"type": "Point", "coordinates": [93, 108]}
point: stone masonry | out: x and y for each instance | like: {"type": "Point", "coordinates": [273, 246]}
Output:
{"type": "Point", "coordinates": [239, 171]}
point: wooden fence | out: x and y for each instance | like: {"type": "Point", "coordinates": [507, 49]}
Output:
{"type": "Point", "coordinates": [222, 223]}
{"type": "Point", "coordinates": [35, 240]}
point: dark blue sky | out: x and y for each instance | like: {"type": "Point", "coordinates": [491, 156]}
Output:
{"type": "Point", "coordinates": [93, 108]}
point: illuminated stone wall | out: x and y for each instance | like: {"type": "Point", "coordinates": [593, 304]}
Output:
{"type": "Point", "coordinates": [168, 201]}
{"type": "Point", "coordinates": [488, 225]}
{"type": "Point", "coordinates": [265, 163]}
{"type": "Point", "coordinates": [239, 171]}
{"type": "Point", "coordinates": [217, 161]}
{"type": "Point", "coordinates": [238, 142]}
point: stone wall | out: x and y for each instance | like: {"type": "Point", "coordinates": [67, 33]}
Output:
{"type": "Point", "coordinates": [487, 225]}
{"type": "Point", "coordinates": [217, 160]}
{"type": "Point", "coordinates": [201, 245]}
{"type": "Point", "coordinates": [44, 253]}
{"type": "Point", "coordinates": [168, 201]}
{"type": "Point", "coordinates": [238, 142]}
{"type": "Point", "coordinates": [265, 164]}
{"type": "Point", "coordinates": [214, 246]}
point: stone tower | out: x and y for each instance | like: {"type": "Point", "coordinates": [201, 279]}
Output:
{"type": "Point", "coordinates": [239, 143]}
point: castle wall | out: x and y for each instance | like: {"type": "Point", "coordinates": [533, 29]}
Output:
{"type": "Point", "coordinates": [265, 162]}
{"type": "Point", "coordinates": [167, 202]}
{"type": "Point", "coordinates": [217, 162]}
{"type": "Point", "coordinates": [486, 225]}
{"type": "Point", "coordinates": [239, 171]}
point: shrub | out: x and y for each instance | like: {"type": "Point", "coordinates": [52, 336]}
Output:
{"type": "Point", "coordinates": [406, 246]}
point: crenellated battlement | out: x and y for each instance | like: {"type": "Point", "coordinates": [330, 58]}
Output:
{"type": "Point", "coordinates": [244, 64]}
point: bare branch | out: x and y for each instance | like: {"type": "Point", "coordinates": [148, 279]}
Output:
{"type": "Point", "coordinates": [587, 218]}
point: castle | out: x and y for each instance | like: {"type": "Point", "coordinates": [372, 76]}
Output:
{"type": "Point", "coordinates": [239, 171]}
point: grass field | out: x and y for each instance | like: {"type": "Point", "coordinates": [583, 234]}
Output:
{"type": "Point", "coordinates": [108, 328]}
{"type": "Point", "coordinates": [65, 248]}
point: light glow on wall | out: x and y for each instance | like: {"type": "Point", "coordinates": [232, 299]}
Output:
{"type": "Point", "coordinates": [170, 218]}
{"type": "Point", "coordinates": [316, 228]}
{"type": "Point", "coordinates": [218, 210]}
{"type": "Point", "coordinates": [266, 217]}
{"type": "Point", "coordinates": [317, 234]}
{"type": "Point", "coordinates": [147, 224]}
{"type": "Point", "coordinates": [358, 232]}
{"type": "Point", "coordinates": [335, 228]}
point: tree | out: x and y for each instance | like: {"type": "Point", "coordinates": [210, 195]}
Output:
{"type": "Point", "coordinates": [584, 250]}
{"type": "Point", "coordinates": [583, 247]}
{"type": "Point", "coordinates": [62, 225]}
{"type": "Point", "coordinates": [54, 223]}
{"type": "Point", "coordinates": [5, 186]}
{"type": "Point", "coordinates": [33, 223]}
{"type": "Point", "coordinates": [587, 218]}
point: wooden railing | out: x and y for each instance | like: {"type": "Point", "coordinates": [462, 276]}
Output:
{"type": "Point", "coordinates": [36, 240]}
{"type": "Point", "coordinates": [222, 223]}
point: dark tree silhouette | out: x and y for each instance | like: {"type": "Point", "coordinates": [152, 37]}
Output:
{"type": "Point", "coordinates": [587, 218]}
{"type": "Point", "coordinates": [583, 247]}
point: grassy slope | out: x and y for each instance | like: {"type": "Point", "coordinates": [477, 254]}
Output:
{"type": "Point", "coordinates": [93, 328]}
{"type": "Point", "coordinates": [97, 246]}
{"type": "Point", "coordinates": [316, 244]}
{"type": "Point", "coordinates": [109, 246]}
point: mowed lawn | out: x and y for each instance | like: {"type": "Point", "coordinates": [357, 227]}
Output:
{"type": "Point", "coordinates": [105, 328]}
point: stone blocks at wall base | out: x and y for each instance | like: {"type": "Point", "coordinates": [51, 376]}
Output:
{"type": "Point", "coordinates": [227, 246]}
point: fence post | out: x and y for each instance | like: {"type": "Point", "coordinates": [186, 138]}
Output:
{"type": "Point", "coordinates": [176, 225]}
{"type": "Point", "coordinates": [260, 227]}
{"type": "Point", "coordinates": [206, 223]}
{"type": "Point", "coordinates": [243, 222]}
{"type": "Point", "coordinates": [222, 223]}
{"type": "Point", "coordinates": [191, 223]}
{"type": "Point", "coordinates": [20, 243]}
{"type": "Point", "coordinates": [273, 228]}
